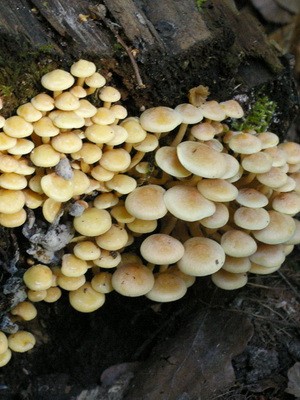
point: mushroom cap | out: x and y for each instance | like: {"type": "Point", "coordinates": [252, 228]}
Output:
{"type": "Point", "coordinates": [161, 249]}
{"type": "Point", "coordinates": [25, 310]}
{"type": "Point", "coordinates": [167, 287]}
{"type": "Point", "coordinates": [95, 80]}
{"type": "Point", "coordinates": [237, 265]}
{"type": "Point", "coordinates": [11, 201]}
{"type": "Point", "coordinates": [150, 143]}
{"type": "Point", "coordinates": [83, 68]}
{"type": "Point", "coordinates": [120, 135]}
{"type": "Point", "coordinates": [201, 160]}
{"type": "Point", "coordinates": [274, 178]}
{"type": "Point", "coordinates": [245, 143]}
{"type": "Point", "coordinates": [268, 255]}
{"type": "Point", "coordinates": [85, 299]}
{"type": "Point", "coordinates": [122, 183]}
{"type": "Point", "coordinates": [13, 220]}
{"type": "Point", "coordinates": [187, 203]}
{"type": "Point", "coordinates": [135, 132]}
{"type": "Point", "coordinates": [66, 142]}
{"type": "Point", "coordinates": [279, 156]}
{"type": "Point", "coordinates": [166, 158]}
{"type": "Point", "coordinates": [237, 243]}
{"type": "Point", "coordinates": [257, 163]}
{"type": "Point", "coordinates": [251, 218]}
{"type": "Point", "coordinates": [29, 112]}
{"type": "Point", "coordinates": [260, 270]}
{"type": "Point", "coordinates": [38, 277]}
{"type": "Point", "coordinates": [233, 169]}
{"type": "Point", "coordinates": [87, 250]}
{"type": "Point", "coordinates": [57, 188]}
{"type": "Point", "coordinates": [3, 343]}
{"type": "Point", "coordinates": [80, 182]}
{"type": "Point", "coordinates": [286, 203]}
{"type": "Point", "coordinates": [99, 133]}
{"type": "Point", "coordinates": [116, 160]}
{"type": "Point", "coordinates": [295, 239]}
{"type": "Point", "coordinates": [105, 200]}
{"type": "Point", "coordinates": [160, 119]}
{"type": "Point", "coordinates": [202, 257]}
{"type": "Point", "coordinates": [114, 239]}
{"type": "Point", "coordinates": [5, 357]}
{"type": "Point", "coordinates": [57, 80]}
{"type": "Point", "coordinates": [232, 109]}
{"type": "Point", "coordinates": [73, 266]}
{"type": "Point", "coordinates": [103, 116]}
{"type": "Point", "coordinates": [70, 283]}
{"type": "Point", "coordinates": [66, 101]}
{"type": "Point", "coordinates": [45, 128]}
{"type": "Point", "coordinates": [51, 209]}
{"type": "Point", "coordinates": [268, 139]}
{"type": "Point", "coordinates": [6, 142]}
{"type": "Point", "coordinates": [68, 120]}
{"type": "Point", "coordinates": [21, 341]}
{"type": "Point", "coordinates": [217, 190]}
{"type": "Point", "coordinates": [90, 153]}
{"type": "Point", "coordinates": [218, 219]}
{"type": "Point", "coordinates": [119, 111]}
{"type": "Point", "coordinates": [101, 282]}
{"type": "Point", "coordinates": [85, 109]}
{"type": "Point", "coordinates": [92, 222]}
{"type": "Point", "coordinates": [213, 110]}
{"type": "Point", "coordinates": [44, 156]}
{"type": "Point", "coordinates": [229, 281]}
{"type": "Point", "coordinates": [190, 114]}
{"type": "Point", "coordinates": [108, 259]}
{"type": "Point", "coordinates": [280, 229]}
{"type": "Point", "coordinates": [204, 131]}
{"type": "Point", "coordinates": [52, 295]}
{"type": "Point", "coordinates": [187, 279]}
{"type": "Point", "coordinates": [12, 181]}
{"type": "Point", "coordinates": [292, 151]}
{"type": "Point", "coordinates": [22, 147]}
{"type": "Point", "coordinates": [142, 226]}
{"type": "Point", "coordinates": [146, 202]}
{"type": "Point", "coordinates": [132, 279]}
{"type": "Point", "coordinates": [43, 102]}
{"type": "Point", "coordinates": [109, 94]}
{"type": "Point", "coordinates": [17, 127]}
{"type": "Point", "coordinates": [250, 197]}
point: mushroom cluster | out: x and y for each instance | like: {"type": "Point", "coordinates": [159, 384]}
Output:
{"type": "Point", "coordinates": [197, 198]}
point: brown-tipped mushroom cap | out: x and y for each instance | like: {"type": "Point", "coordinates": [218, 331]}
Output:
{"type": "Point", "coordinates": [280, 229]}
{"type": "Point", "coordinates": [268, 255]}
{"type": "Point", "coordinates": [213, 110]}
{"type": "Point", "coordinates": [292, 151]}
{"type": "Point", "coordinates": [257, 163]}
{"type": "Point", "coordinates": [274, 178]}
{"type": "Point", "coordinates": [114, 239]}
{"type": "Point", "coordinates": [187, 203]}
{"type": "Point", "coordinates": [250, 197]}
{"type": "Point", "coordinates": [286, 203]}
{"type": "Point", "coordinates": [232, 109]}
{"type": "Point", "coordinates": [146, 202]}
{"type": "Point", "coordinates": [251, 218]}
{"type": "Point", "coordinates": [237, 243]}
{"type": "Point", "coordinates": [202, 257]}
{"type": "Point", "coordinates": [201, 160]}
{"type": "Point", "coordinates": [160, 119]}
{"type": "Point", "coordinates": [190, 114]}
{"type": "Point", "coordinates": [132, 279]}
{"type": "Point", "coordinates": [244, 143]}
{"type": "Point", "coordinates": [167, 159]}
{"type": "Point", "coordinates": [167, 287]}
{"type": "Point", "coordinates": [229, 281]}
{"type": "Point", "coordinates": [161, 249]}
{"type": "Point", "coordinates": [218, 219]}
{"type": "Point", "coordinates": [217, 190]}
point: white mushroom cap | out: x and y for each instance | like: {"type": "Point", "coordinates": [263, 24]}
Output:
{"type": "Point", "coordinates": [250, 197]}
{"type": "Point", "coordinates": [232, 109]}
{"type": "Point", "coordinates": [218, 219]}
{"type": "Point", "coordinates": [287, 203]}
{"type": "Point", "coordinates": [187, 203]}
{"type": "Point", "coordinates": [257, 163]}
{"type": "Point", "coordinates": [160, 119]}
{"type": "Point", "coordinates": [161, 249]}
{"type": "Point", "coordinates": [204, 131]}
{"type": "Point", "coordinates": [260, 270]}
{"type": "Point", "coordinates": [237, 265]}
{"type": "Point", "coordinates": [190, 114]}
{"type": "Point", "coordinates": [274, 178]}
{"type": "Point", "coordinates": [202, 257]}
{"type": "Point", "coordinates": [57, 80]}
{"type": "Point", "coordinates": [83, 68]}
{"type": "Point", "coordinates": [213, 110]}
{"type": "Point", "coordinates": [268, 139]}
{"type": "Point", "coordinates": [251, 218]}
{"type": "Point", "coordinates": [167, 287]}
{"type": "Point", "coordinates": [86, 299]}
{"type": "Point", "coordinates": [245, 143]}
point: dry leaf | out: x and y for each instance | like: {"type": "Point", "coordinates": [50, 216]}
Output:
{"type": "Point", "coordinates": [294, 380]}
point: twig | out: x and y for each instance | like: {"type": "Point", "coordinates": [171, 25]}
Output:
{"type": "Point", "coordinates": [283, 277]}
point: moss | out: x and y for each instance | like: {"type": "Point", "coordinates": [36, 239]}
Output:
{"type": "Point", "coordinates": [20, 75]}
{"type": "Point", "coordinates": [199, 4]}
{"type": "Point", "coordinates": [259, 116]}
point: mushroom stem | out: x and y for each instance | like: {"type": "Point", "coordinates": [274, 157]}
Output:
{"type": "Point", "coordinates": [163, 268]}
{"type": "Point", "coordinates": [90, 90]}
{"type": "Point", "coordinates": [80, 81]}
{"type": "Point", "coordinates": [107, 104]}
{"type": "Point", "coordinates": [56, 93]}
{"type": "Point", "coordinates": [194, 229]}
{"type": "Point", "coordinates": [169, 224]}
{"type": "Point", "coordinates": [136, 159]}
{"type": "Point", "coordinates": [246, 180]}
{"type": "Point", "coordinates": [160, 181]}
{"type": "Point", "coordinates": [180, 134]}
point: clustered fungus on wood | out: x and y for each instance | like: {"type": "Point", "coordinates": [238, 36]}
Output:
{"type": "Point", "coordinates": [189, 195]}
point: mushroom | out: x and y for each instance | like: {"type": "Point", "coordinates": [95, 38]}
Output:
{"type": "Point", "coordinates": [229, 281]}
{"type": "Point", "coordinates": [85, 299]}
{"type": "Point", "coordinates": [38, 277]}
{"type": "Point", "coordinates": [167, 287]}
{"type": "Point", "coordinates": [21, 341]}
